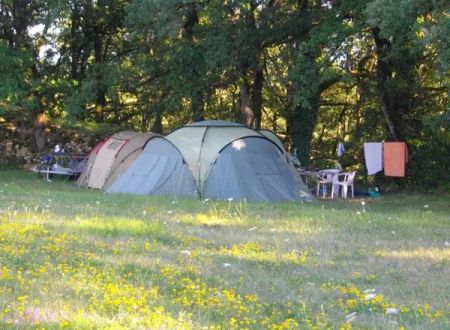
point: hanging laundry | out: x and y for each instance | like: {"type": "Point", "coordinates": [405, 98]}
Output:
{"type": "Point", "coordinates": [395, 158]}
{"type": "Point", "coordinates": [340, 149]}
{"type": "Point", "coordinates": [373, 154]}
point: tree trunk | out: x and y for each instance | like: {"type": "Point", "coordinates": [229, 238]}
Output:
{"type": "Point", "coordinates": [197, 98]}
{"type": "Point", "coordinates": [301, 125]}
{"type": "Point", "coordinates": [100, 99]}
{"type": "Point", "coordinates": [197, 104]}
{"type": "Point", "coordinates": [157, 125]}
{"type": "Point", "coordinates": [274, 122]}
{"type": "Point", "coordinates": [74, 41]}
{"type": "Point", "coordinates": [384, 74]}
{"type": "Point", "coordinates": [303, 120]}
{"type": "Point", "coordinates": [257, 97]}
{"type": "Point", "coordinates": [246, 111]}
{"type": "Point", "coordinates": [101, 87]}
{"type": "Point", "coordinates": [39, 132]}
{"type": "Point", "coordinates": [38, 124]}
{"type": "Point", "coordinates": [21, 21]}
{"type": "Point", "coordinates": [93, 11]}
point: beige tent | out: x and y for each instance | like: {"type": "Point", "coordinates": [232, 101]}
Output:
{"type": "Point", "coordinates": [229, 160]}
{"type": "Point", "coordinates": [110, 158]}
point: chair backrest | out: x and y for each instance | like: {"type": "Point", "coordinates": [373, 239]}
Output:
{"type": "Point", "coordinates": [350, 177]}
{"type": "Point", "coordinates": [334, 178]}
{"type": "Point", "coordinates": [329, 175]}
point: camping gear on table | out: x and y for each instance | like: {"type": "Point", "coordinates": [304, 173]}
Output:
{"type": "Point", "coordinates": [59, 163]}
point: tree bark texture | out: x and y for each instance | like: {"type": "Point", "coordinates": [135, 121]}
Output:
{"type": "Point", "coordinates": [75, 49]}
{"type": "Point", "coordinates": [197, 103]}
{"type": "Point", "coordinates": [98, 35]}
{"type": "Point", "coordinates": [301, 124]}
{"type": "Point", "coordinates": [302, 119]}
{"type": "Point", "coordinates": [257, 97]}
{"type": "Point", "coordinates": [22, 16]}
{"type": "Point", "coordinates": [384, 74]}
{"type": "Point", "coordinates": [39, 132]}
{"type": "Point", "coordinates": [197, 95]}
{"type": "Point", "coordinates": [248, 117]}
{"type": "Point", "coordinates": [157, 125]}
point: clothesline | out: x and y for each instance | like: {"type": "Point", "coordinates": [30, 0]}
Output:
{"type": "Point", "coordinates": [390, 156]}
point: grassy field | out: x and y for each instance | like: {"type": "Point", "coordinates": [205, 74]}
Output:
{"type": "Point", "coordinates": [80, 259]}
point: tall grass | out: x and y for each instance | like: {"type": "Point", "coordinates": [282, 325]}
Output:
{"type": "Point", "coordinates": [80, 259]}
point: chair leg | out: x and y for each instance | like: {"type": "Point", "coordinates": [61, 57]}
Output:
{"type": "Point", "coordinates": [334, 190]}
{"type": "Point", "coordinates": [344, 191]}
{"type": "Point", "coordinates": [324, 190]}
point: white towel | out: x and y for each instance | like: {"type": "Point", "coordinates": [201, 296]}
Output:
{"type": "Point", "coordinates": [373, 153]}
{"type": "Point", "coordinates": [340, 149]}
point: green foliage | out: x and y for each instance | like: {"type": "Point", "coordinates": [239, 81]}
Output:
{"type": "Point", "coordinates": [429, 168]}
{"type": "Point", "coordinates": [304, 75]}
{"type": "Point", "coordinates": [15, 80]}
{"type": "Point", "coordinates": [440, 37]}
{"type": "Point", "coordinates": [158, 18]}
{"type": "Point", "coordinates": [157, 64]}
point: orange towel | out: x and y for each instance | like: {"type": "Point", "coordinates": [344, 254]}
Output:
{"type": "Point", "coordinates": [395, 158]}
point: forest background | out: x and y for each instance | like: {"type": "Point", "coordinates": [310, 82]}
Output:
{"type": "Point", "coordinates": [315, 72]}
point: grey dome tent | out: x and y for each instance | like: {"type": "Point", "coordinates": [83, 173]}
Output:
{"type": "Point", "coordinates": [229, 160]}
{"type": "Point", "coordinates": [271, 135]}
{"type": "Point", "coordinates": [159, 170]}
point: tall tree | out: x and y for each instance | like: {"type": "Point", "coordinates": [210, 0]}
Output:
{"type": "Point", "coordinates": [311, 68]}
{"type": "Point", "coordinates": [21, 64]}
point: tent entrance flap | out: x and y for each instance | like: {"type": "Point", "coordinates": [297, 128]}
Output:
{"type": "Point", "coordinates": [104, 161]}
{"type": "Point", "coordinates": [253, 169]}
{"type": "Point", "coordinates": [159, 170]}
{"type": "Point", "coordinates": [110, 158]}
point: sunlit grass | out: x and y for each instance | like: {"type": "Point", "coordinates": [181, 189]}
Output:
{"type": "Point", "coordinates": [421, 254]}
{"type": "Point", "coordinates": [79, 259]}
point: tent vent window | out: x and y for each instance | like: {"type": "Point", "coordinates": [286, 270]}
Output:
{"type": "Point", "coordinates": [114, 145]}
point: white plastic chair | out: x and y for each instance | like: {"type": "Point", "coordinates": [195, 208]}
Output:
{"type": "Point", "coordinates": [322, 181]}
{"type": "Point", "coordinates": [325, 179]}
{"type": "Point", "coordinates": [349, 178]}
{"type": "Point", "coordinates": [335, 186]}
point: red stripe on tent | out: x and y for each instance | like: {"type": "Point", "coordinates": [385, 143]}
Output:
{"type": "Point", "coordinates": [97, 147]}
{"type": "Point", "coordinates": [126, 141]}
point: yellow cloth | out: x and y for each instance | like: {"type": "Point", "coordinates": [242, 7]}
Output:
{"type": "Point", "coordinates": [395, 158]}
